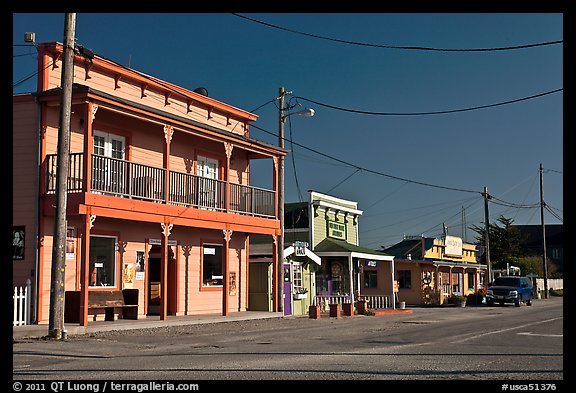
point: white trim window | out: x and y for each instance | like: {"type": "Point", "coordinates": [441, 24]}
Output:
{"type": "Point", "coordinates": [108, 165]}
{"type": "Point", "coordinates": [103, 261]}
{"type": "Point", "coordinates": [208, 184]}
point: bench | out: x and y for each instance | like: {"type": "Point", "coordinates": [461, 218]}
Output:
{"type": "Point", "coordinates": [123, 303]}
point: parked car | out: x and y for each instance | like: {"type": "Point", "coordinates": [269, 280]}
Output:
{"type": "Point", "coordinates": [510, 289]}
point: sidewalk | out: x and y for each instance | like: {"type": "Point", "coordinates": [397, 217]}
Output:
{"type": "Point", "coordinates": [39, 331]}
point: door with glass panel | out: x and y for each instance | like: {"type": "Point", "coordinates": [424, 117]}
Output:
{"type": "Point", "coordinates": [108, 165]}
{"type": "Point", "coordinates": [208, 183]}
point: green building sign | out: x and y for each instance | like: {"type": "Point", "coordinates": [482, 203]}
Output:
{"type": "Point", "coordinates": [336, 230]}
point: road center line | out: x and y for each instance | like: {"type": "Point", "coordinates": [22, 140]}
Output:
{"type": "Point", "coordinates": [504, 330]}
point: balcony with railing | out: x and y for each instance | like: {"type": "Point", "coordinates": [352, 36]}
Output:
{"type": "Point", "coordinates": [117, 177]}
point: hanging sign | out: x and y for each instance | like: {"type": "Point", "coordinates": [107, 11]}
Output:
{"type": "Point", "coordinates": [300, 248]}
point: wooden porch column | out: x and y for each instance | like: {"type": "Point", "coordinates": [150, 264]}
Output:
{"type": "Point", "coordinates": [168, 132]}
{"type": "Point", "coordinates": [351, 274]}
{"type": "Point", "coordinates": [274, 273]}
{"type": "Point", "coordinates": [228, 147]}
{"type": "Point", "coordinates": [85, 268]}
{"type": "Point", "coordinates": [275, 187]}
{"type": "Point", "coordinates": [275, 256]}
{"type": "Point", "coordinates": [89, 115]}
{"type": "Point", "coordinates": [225, 270]}
{"type": "Point", "coordinates": [166, 228]}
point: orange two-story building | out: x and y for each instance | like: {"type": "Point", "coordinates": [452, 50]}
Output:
{"type": "Point", "coordinates": [159, 193]}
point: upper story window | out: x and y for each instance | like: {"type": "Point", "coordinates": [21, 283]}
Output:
{"type": "Point", "coordinates": [109, 145]}
{"type": "Point", "coordinates": [108, 166]}
{"type": "Point", "coordinates": [208, 167]}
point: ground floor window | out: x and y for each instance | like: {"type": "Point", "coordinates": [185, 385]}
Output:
{"type": "Point", "coordinates": [370, 279]}
{"type": "Point", "coordinates": [404, 279]}
{"type": "Point", "coordinates": [103, 263]}
{"type": "Point", "coordinates": [470, 281]}
{"type": "Point", "coordinates": [212, 265]}
{"type": "Point", "coordinates": [457, 283]}
{"type": "Point", "coordinates": [297, 274]}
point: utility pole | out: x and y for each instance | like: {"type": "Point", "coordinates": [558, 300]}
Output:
{"type": "Point", "coordinates": [56, 321]}
{"type": "Point", "coordinates": [280, 239]}
{"type": "Point", "coordinates": [487, 235]}
{"type": "Point", "coordinates": [542, 204]}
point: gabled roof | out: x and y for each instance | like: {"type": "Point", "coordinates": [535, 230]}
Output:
{"type": "Point", "coordinates": [405, 247]}
{"type": "Point", "coordinates": [334, 246]}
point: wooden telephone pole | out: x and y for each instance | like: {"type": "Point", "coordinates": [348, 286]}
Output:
{"type": "Point", "coordinates": [542, 204]}
{"type": "Point", "coordinates": [56, 321]}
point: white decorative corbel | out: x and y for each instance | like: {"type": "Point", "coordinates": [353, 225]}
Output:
{"type": "Point", "coordinates": [92, 219]}
{"type": "Point", "coordinates": [227, 234]}
{"type": "Point", "coordinates": [94, 110]}
{"type": "Point", "coordinates": [168, 132]}
{"type": "Point", "coordinates": [228, 147]}
{"type": "Point", "coordinates": [166, 229]}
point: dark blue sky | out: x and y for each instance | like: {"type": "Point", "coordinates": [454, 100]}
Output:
{"type": "Point", "coordinates": [409, 173]}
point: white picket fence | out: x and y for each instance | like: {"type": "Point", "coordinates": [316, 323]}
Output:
{"type": "Point", "coordinates": [374, 302]}
{"type": "Point", "coordinates": [22, 301]}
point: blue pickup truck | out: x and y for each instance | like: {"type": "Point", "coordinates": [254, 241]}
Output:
{"type": "Point", "coordinates": [510, 289]}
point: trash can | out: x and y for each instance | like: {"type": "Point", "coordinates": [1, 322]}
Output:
{"type": "Point", "coordinates": [401, 305]}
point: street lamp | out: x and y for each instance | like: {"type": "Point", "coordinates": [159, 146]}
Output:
{"type": "Point", "coordinates": [281, 120]}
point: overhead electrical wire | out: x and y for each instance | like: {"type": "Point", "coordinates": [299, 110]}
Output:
{"type": "Point", "coordinates": [403, 47]}
{"type": "Point", "coordinates": [342, 181]}
{"type": "Point", "coordinates": [553, 213]}
{"type": "Point", "coordinates": [431, 112]}
{"type": "Point", "coordinates": [324, 154]}
{"type": "Point", "coordinates": [370, 170]}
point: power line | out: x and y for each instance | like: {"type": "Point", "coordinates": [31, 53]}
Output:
{"type": "Point", "coordinates": [431, 112]}
{"type": "Point", "coordinates": [553, 213]}
{"type": "Point", "coordinates": [418, 48]}
{"type": "Point", "coordinates": [294, 161]}
{"type": "Point", "coordinates": [342, 181]}
{"type": "Point", "coordinates": [510, 204]}
{"type": "Point", "coordinates": [30, 76]}
{"type": "Point", "coordinates": [370, 170]}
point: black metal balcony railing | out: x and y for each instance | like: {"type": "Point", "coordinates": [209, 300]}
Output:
{"type": "Point", "coordinates": [113, 176]}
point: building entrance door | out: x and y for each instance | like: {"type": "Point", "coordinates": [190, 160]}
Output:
{"type": "Point", "coordinates": [154, 288]}
{"type": "Point", "coordinates": [287, 290]}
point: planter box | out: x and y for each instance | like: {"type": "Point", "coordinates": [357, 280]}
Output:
{"type": "Point", "coordinates": [362, 306]}
{"type": "Point", "coordinates": [348, 309]}
{"type": "Point", "coordinates": [300, 296]}
{"type": "Point", "coordinates": [335, 310]}
{"type": "Point", "coordinates": [314, 312]}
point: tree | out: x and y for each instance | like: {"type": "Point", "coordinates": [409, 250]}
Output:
{"type": "Point", "coordinates": [506, 242]}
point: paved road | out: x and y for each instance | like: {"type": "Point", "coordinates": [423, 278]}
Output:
{"type": "Point", "coordinates": [471, 343]}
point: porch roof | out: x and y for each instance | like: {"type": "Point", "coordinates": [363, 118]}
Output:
{"type": "Point", "coordinates": [333, 247]}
